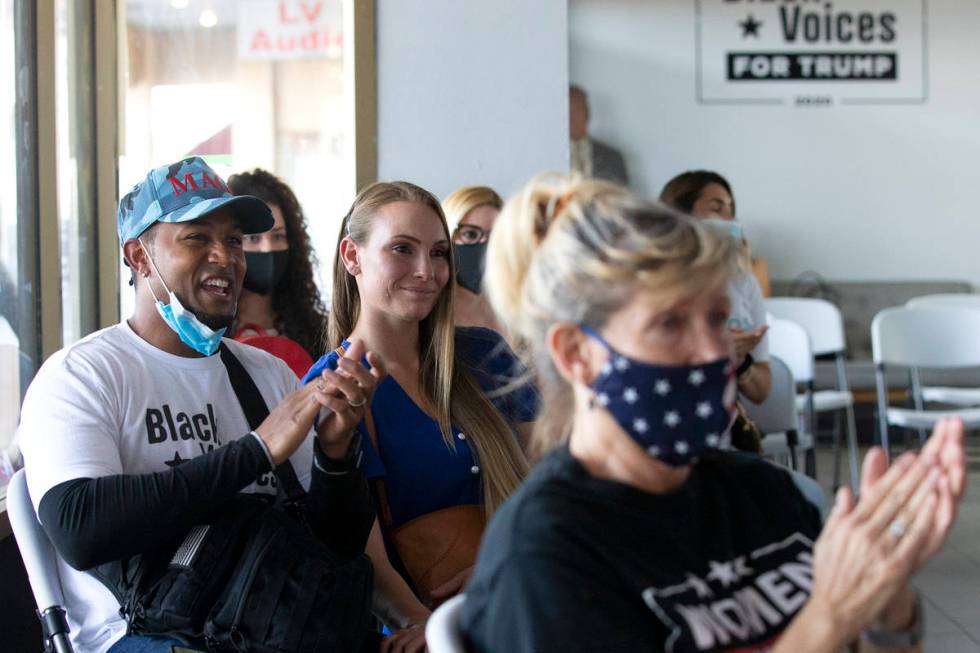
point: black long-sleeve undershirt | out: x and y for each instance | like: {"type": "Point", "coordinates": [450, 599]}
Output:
{"type": "Point", "coordinates": [92, 521]}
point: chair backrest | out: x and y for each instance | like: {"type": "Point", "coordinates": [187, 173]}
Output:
{"type": "Point", "coordinates": [40, 558]}
{"type": "Point", "coordinates": [952, 300]}
{"type": "Point", "coordinates": [790, 342]}
{"type": "Point", "coordinates": [927, 337]}
{"type": "Point", "coordinates": [821, 319]}
{"type": "Point", "coordinates": [777, 413]}
{"type": "Point", "coordinates": [442, 634]}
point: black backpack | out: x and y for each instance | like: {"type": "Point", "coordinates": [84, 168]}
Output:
{"type": "Point", "coordinates": [255, 578]}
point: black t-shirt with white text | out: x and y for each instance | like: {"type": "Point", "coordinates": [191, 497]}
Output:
{"type": "Point", "coordinates": [572, 563]}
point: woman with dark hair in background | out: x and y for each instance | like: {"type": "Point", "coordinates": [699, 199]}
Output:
{"type": "Point", "coordinates": [280, 297]}
{"type": "Point", "coordinates": [703, 194]}
{"type": "Point", "coordinates": [707, 195]}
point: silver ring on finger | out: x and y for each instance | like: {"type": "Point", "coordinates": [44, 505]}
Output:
{"type": "Point", "coordinates": [319, 386]}
{"type": "Point", "coordinates": [897, 528]}
{"type": "Point", "coordinates": [358, 404]}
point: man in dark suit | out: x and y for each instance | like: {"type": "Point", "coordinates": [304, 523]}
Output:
{"type": "Point", "coordinates": [589, 157]}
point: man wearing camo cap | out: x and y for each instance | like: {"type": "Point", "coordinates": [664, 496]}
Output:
{"type": "Point", "coordinates": [134, 434]}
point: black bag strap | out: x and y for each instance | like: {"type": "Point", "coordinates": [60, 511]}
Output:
{"type": "Point", "coordinates": [256, 410]}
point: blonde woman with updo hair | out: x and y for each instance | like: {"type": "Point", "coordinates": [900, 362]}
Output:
{"type": "Point", "coordinates": [440, 441]}
{"type": "Point", "coordinates": [471, 212]}
{"type": "Point", "coordinates": [635, 532]}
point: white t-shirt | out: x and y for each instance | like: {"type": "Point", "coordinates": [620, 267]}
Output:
{"type": "Point", "coordinates": [112, 403]}
{"type": "Point", "coordinates": [748, 310]}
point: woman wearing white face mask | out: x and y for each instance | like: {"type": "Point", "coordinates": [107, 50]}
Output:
{"type": "Point", "coordinates": [707, 196]}
{"type": "Point", "coordinates": [634, 533]}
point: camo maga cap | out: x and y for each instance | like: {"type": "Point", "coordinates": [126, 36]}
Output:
{"type": "Point", "coordinates": [184, 191]}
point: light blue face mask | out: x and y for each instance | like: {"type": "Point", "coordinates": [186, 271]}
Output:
{"type": "Point", "coordinates": [731, 227]}
{"type": "Point", "coordinates": [192, 332]}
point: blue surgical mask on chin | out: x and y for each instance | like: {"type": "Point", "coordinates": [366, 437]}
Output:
{"type": "Point", "coordinates": [674, 412]}
{"type": "Point", "coordinates": [192, 332]}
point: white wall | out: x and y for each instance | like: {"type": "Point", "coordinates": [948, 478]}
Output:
{"type": "Point", "coordinates": [853, 192]}
{"type": "Point", "coordinates": [471, 91]}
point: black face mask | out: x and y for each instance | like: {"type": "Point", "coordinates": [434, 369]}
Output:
{"type": "Point", "coordinates": [264, 270]}
{"type": "Point", "coordinates": [469, 266]}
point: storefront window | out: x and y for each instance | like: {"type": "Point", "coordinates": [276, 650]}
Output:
{"type": "Point", "coordinates": [16, 365]}
{"type": "Point", "coordinates": [244, 84]}
{"type": "Point", "coordinates": [76, 134]}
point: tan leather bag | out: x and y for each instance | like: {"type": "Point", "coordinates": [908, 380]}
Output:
{"type": "Point", "coordinates": [435, 547]}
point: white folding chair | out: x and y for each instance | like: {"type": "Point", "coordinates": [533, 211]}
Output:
{"type": "Point", "coordinates": [825, 327]}
{"type": "Point", "coordinates": [41, 562]}
{"type": "Point", "coordinates": [949, 300]}
{"type": "Point", "coordinates": [944, 394]}
{"type": "Point", "coordinates": [442, 634]}
{"type": "Point", "coordinates": [777, 417]}
{"type": "Point", "coordinates": [923, 337]}
{"type": "Point", "coordinates": [790, 342]}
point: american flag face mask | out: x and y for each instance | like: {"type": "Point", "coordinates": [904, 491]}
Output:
{"type": "Point", "coordinates": [675, 412]}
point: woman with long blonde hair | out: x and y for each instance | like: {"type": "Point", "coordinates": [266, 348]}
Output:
{"type": "Point", "coordinates": [471, 212]}
{"type": "Point", "coordinates": [636, 533]}
{"type": "Point", "coordinates": [439, 442]}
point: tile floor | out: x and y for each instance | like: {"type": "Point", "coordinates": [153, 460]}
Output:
{"type": "Point", "coordinates": [950, 583]}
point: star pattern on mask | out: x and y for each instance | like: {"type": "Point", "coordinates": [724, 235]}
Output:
{"type": "Point", "coordinates": [704, 410]}
{"type": "Point", "coordinates": [674, 413]}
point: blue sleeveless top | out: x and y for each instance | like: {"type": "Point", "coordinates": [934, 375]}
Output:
{"type": "Point", "coordinates": [422, 473]}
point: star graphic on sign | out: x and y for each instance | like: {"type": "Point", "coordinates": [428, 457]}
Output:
{"type": "Point", "coordinates": [696, 377]}
{"type": "Point", "coordinates": [750, 26]}
{"type": "Point", "coordinates": [630, 395]}
{"type": "Point", "coordinates": [671, 418]}
{"type": "Point", "coordinates": [176, 461]}
{"type": "Point", "coordinates": [681, 447]}
{"type": "Point", "coordinates": [640, 425]}
{"type": "Point", "coordinates": [699, 586]}
{"type": "Point", "coordinates": [704, 410]}
{"type": "Point", "coordinates": [723, 572]}
{"type": "Point", "coordinates": [662, 387]}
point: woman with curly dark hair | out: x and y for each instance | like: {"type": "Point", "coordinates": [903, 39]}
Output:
{"type": "Point", "coordinates": [279, 297]}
